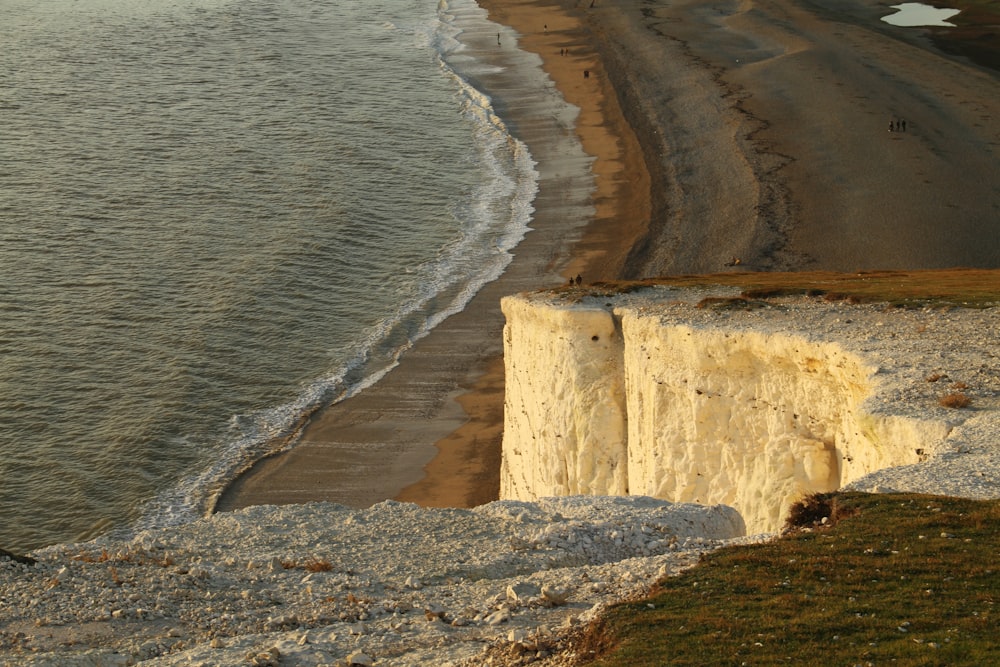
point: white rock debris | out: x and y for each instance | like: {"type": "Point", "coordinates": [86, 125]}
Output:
{"type": "Point", "coordinates": [322, 584]}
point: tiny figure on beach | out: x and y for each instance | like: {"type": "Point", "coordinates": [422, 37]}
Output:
{"type": "Point", "coordinates": [579, 279]}
{"type": "Point", "coordinates": [903, 123]}
{"type": "Point", "coordinates": [546, 28]}
{"type": "Point", "coordinates": [498, 39]}
{"type": "Point", "coordinates": [891, 125]}
{"type": "Point", "coordinates": [586, 74]}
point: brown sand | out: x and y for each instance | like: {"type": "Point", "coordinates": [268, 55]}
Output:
{"type": "Point", "coordinates": [764, 125]}
{"type": "Point", "coordinates": [448, 389]}
{"type": "Point", "coordinates": [769, 122]}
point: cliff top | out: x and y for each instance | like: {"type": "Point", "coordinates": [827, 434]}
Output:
{"type": "Point", "coordinates": [968, 288]}
{"type": "Point", "coordinates": [929, 339]}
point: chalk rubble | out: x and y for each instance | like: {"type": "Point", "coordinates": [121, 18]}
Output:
{"type": "Point", "coordinates": [322, 584]}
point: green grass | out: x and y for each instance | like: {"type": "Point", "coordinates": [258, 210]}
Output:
{"type": "Point", "coordinates": [889, 579]}
{"type": "Point", "coordinates": [895, 579]}
{"type": "Point", "coordinates": [969, 288]}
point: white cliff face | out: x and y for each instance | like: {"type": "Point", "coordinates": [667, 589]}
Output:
{"type": "Point", "coordinates": [752, 420]}
{"type": "Point", "coordinates": [564, 427]}
{"type": "Point", "coordinates": [752, 410]}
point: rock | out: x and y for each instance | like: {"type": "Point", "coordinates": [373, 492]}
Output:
{"type": "Point", "coordinates": [554, 594]}
{"type": "Point", "coordinates": [521, 592]}
{"type": "Point", "coordinates": [434, 612]}
{"type": "Point", "coordinates": [359, 659]}
{"type": "Point", "coordinates": [269, 658]}
{"type": "Point", "coordinates": [498, 617]}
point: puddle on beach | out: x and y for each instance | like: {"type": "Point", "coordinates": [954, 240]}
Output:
{"type": "Point", "coordinates": [913, 14]}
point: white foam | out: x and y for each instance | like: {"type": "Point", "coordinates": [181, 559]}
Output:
{"type": "Point", "coordinates": [493, 220]}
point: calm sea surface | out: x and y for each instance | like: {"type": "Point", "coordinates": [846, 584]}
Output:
{"type": "Point", "coordinates": [216, 215]}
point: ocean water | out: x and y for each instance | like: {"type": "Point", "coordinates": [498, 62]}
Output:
{"type": "Point", "coordinates": [215, 217]}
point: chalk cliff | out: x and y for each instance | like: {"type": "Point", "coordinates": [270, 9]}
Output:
{"type": "Point", "coordinates": [646, 394]}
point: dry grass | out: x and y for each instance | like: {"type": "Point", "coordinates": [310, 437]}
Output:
{"type": "Point", "coordinates": [311, 564]}
{"type": "Point", "coordinates": [730, 303]}
{"type": "Point", "coordinates": [317, 565]}
{"type": "Point", "coordinates": [819, 509]}
{"type": "Point", "coordinates": [969, 288]}
{"type": "Point", "coordinates": [955, 400]}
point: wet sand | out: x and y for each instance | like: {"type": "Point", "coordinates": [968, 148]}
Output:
{"type": "Point", "coordinates": [769, 122]}
{"type": "Point", "coordinates": [756, 131]}
{"type": "Point", "coordinates": [442, 406]}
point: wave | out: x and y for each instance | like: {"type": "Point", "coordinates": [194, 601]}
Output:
{"type": "Point", "coordinates": [493, 219]}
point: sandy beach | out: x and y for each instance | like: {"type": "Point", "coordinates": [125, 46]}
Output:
{"type": "Point", "coordinates": [750, 131]}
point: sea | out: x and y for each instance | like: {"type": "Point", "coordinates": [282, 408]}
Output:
{"type": "Point", "coordinates": [217, 216]}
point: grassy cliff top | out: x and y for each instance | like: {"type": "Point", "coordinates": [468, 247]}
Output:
{"type": "Point", "coordinates": [858, 579]}
{"type": "Point", "coordinates": [970, 288]}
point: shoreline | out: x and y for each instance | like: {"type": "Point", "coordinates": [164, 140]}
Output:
{"type": "Point", "coordinates": [465, 471]}
{"type": "Point", "coordinates": [735, 172]}
{"type": "Point", "coordinates": [429, 432]}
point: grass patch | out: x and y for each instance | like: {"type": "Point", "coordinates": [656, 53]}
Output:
{"type": "Point", "coordinates": [311, 564]}
{"type": "Point", "coordinates": [966, 288]}
{"type": "Point", "coordinates": [955, 400]}
{"type": "Point", "coordinates": [741, 302]}
{"type": "Point", "coordinates": [899, 579]}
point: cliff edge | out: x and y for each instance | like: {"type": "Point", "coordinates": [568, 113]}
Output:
{"type": "Point", "coordinates": [703, 395]}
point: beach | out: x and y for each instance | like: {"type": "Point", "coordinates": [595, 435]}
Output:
{"type": "Point", "coordinates": [722, 137]}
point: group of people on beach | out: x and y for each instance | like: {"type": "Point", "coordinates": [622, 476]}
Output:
{"type": "Point", "coordinates": [899, 124]}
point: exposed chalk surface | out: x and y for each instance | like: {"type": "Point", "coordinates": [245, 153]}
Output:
{"type": "Point", "coordinates": [405, 585]}
{"type": "Point", "coordinates": [752, 405]}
